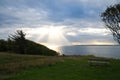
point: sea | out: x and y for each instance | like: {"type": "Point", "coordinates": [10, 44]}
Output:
{"type": "Point", "coordinates": [99, 51]}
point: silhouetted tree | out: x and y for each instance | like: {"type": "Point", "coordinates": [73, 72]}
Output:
{"type": "Point", "coordinates": [3, 44]}
{"type": "Point", "coordinates": [18, 41]}
{"type": "Point", "coordinates": [111, 18]}
{"type": "Point", "coordinates": [10, 45]}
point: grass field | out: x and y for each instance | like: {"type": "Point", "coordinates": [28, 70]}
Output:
{"type": "Point", "coordinates": [34, 67]}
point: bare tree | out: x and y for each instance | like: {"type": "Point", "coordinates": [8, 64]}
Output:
{"type": "Point", "coordinates": [111, 18]}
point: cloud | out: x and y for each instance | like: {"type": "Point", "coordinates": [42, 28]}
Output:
{"type": "Point", "coordinates": [94, 31]}
{"type": "Point", "coordinates": [72, 34]}
{"type": "Point", "coordinates": [41, 11]}
{"type": "Point", "coordinates": [80, 18]}
{"type": "Point", "coordinates": [25, 16]}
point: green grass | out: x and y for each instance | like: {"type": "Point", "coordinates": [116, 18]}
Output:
{"type": "Point", "coordinates": [57, 68]}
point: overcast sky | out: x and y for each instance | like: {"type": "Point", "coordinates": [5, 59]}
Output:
{"type": "Point", "coordinates": [74, 22]}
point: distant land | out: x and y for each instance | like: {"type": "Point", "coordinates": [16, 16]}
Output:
{"type": "Point", "coordinates": [95, 45]}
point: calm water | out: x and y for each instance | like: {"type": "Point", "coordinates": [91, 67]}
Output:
{"type": "Point", "coordinates": [100, 51]}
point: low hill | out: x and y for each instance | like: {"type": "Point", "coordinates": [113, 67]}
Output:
{"type": "Point", "coordinates": [30, 47]}
{"type": "Point", "coordinates": [35, 48]}
{"type": "Point", "coordinates": [17, 43]}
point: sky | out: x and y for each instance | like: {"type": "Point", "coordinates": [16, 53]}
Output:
{"type": "Point", "coordinates": [57, 22]}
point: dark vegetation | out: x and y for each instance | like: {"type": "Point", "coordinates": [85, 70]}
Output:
{"type": "Point", "coordinates": [17, 43]}
{"type": "Point", "coordinates": [111, 18]}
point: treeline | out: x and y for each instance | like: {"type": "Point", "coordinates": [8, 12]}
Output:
{"type": "Point", "coordinates": [17, 43]}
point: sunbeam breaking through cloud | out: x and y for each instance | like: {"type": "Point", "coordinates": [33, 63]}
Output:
{"type": "Point", "coordinates": [56, 22]}
{"type": "Point", "coordinates": [51, 36]}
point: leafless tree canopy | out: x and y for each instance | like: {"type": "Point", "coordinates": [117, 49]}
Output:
{"type": "Point", "coordinates": [111, 18]}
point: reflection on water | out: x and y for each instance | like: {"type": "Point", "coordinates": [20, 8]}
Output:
{"type": "Point", "coordinates": [101, 51]}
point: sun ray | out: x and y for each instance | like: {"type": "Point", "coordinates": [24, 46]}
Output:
{"type": "Point", "coordinates": [50, 36]}
{"type": "Point", "coordinates": [56, 38]}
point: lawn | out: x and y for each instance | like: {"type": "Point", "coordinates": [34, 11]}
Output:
{"type": "Point", "coordinates": [34, 67]}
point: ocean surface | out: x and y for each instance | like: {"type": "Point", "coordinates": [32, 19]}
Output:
{"type": "Point", "coordinates": [100, 51]}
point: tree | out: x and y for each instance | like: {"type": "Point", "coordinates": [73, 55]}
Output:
{"type": "Point", "coordinates": [19, 41]}
{"type": "Point", "coordinates": [111, 18]}
{"type": "Point", "coordinates": [3, 44]}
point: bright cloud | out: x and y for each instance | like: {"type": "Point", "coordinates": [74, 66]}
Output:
{"type": "Point", "coordinates": [72, 34]}
{"type": "Point", "coordinates": [94, 31]}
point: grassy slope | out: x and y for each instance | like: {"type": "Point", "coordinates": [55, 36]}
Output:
{"type": "Point", "coordinates": [55, 68]}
